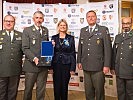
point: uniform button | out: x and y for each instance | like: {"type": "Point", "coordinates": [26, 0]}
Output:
{"type": "Point", "coordinates": [121, 48]}
{"type": "Point", "coordinates": [121, 53]}
{"type": "Point", "coordinates": [11, 48]}
{"type": "Point", "coordinates": [88, 54]}
{"type": "Point", "coordinates": [11, 59]}
{"type": "Point", "coordinates": [120, 58]}
{"type": "Point", "coordinates": [122, 43]}
{"type": "Point", "coordinates": [88, 49]}
{"type": "Point", "coordinates": [89, 39]}
{"type": "Point", "coordinates": [88, 44]}
{"type": "Point", "coordinates": [11, 53]}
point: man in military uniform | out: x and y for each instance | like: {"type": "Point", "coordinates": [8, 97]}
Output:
{"type": "Point", "coordinates": [10, 59]}
{"type": "Point", "coordinates": [122, 61]}
{"type": "Point", "coordinates": [31, 45]}
{"type": "Point", "coordinates": [94, 56]}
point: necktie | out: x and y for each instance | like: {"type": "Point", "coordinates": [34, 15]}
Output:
{"type": "Point", "coordinates": [90, 31]}
{"type": "Point", "coordinates": [39, 31]}
{"type": "Point", "coordinates": [9, 35]}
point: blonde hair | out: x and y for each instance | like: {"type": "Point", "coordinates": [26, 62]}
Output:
{"type": "Point", "coordinates": [62, 20]}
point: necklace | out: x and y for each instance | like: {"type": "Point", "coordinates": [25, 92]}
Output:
{"type": "Point", "coordinates": [61, 41]}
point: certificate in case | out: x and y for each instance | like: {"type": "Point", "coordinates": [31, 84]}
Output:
{"type": "Point", "coordinates": [47, 51]}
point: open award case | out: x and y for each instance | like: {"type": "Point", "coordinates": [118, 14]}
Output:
{"type": "Point", "coordinates": [47, 51]}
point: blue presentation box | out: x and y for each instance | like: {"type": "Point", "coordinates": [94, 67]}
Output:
{"type": "Point", "coordinates": [47, 51]}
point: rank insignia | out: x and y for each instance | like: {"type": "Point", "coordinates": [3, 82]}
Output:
{"type": "Point", "coordinates": [130, 34]}
{"type": "Point", "coordinates": [16, 34]}
{"type": "Point", "coordinates": [3, 33]}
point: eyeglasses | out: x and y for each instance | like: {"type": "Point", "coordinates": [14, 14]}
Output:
{"type": "Point", "coordinates": [8, 21]}
{"type": "Point", "coordinates": [126, 23]}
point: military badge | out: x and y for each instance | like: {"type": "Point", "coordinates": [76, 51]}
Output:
{"type": "Point", "coordinates": [131, 64]}
{"type": "Point", "coordinates": [3, 33]}
{"type": "Point", "coordinates": [98, 41]}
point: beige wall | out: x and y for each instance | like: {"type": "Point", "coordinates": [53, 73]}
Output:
{"type": "Point", "coordinates": [82, 1]}
{"type": "Point", "coordinates": [0, 14]}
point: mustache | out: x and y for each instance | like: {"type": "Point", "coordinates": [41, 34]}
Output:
{"type": "Point", "coordinates": [126, 29]}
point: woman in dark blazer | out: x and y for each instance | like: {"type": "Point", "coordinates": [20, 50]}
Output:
{"type": "Point", "coordinates": [64, 60]}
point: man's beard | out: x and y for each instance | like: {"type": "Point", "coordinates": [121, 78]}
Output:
{"type": "Point", "coordinates": [126, 29]}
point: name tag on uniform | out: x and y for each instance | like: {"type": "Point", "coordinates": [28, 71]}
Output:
{"type": "Point", "coordinates": [0, 46]}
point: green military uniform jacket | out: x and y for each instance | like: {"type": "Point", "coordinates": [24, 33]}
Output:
{"type": "Point", "coordinates": [31, 45]}
{"type": "Point", "coordinates": [10, 54]}
{"type": "Point", "coordinates": [122, 60]}
{"type": "Point", "coordinates": [94, 50]}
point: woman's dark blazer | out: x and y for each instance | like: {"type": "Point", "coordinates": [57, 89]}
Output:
{"type": "Point", "coordinates": [64, 52]}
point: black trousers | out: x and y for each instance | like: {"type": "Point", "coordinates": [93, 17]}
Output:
{"type": "Point", "coordinates": [124, 88]}
{"type": "Point", "coordinates": [9, 87]}
{"type": "Point", "coordinates": [61, 77]}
